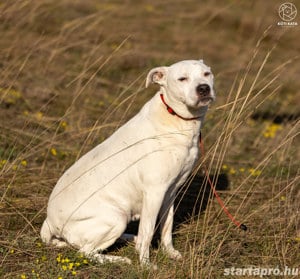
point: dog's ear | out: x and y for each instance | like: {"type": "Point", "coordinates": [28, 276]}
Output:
{"type": "Point", "coordinates": [157, 75]}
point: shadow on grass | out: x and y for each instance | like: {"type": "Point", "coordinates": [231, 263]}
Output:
{"type": "Point", "coordinates": [275, 117]}
{"type": "Point", "coordinates": [191, 200]}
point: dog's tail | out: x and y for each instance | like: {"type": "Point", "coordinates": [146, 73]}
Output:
{"type": "Point", "coordinates": [46, 233]}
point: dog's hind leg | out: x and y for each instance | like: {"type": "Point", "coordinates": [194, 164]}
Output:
{"type": "Point", "coordinates": [48, 236]}
{"type": "Point", "coordinates": [102, 234]}
{"type": "Point", "coordinates": [46, 233]}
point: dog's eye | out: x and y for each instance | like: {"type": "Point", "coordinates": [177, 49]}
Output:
{"type": "Point", "coordinates": [206, 74]}
{"type": "Point", "coordinates": [182, 78]}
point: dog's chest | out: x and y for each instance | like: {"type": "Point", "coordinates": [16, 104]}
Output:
{"type": "Point", "coordinates": [188, 161]}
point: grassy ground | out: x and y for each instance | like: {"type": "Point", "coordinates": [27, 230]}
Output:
{"type": "Point", "coordinates": [71, 72]}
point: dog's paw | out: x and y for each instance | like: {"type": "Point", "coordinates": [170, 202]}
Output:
{"type": "Point", "coordinates": [174, 254]}
{"type": "Point", "coordinates": [149, 266]}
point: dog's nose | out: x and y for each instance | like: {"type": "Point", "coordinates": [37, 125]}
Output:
{"type": "Point", "coordinates": [203, 90]}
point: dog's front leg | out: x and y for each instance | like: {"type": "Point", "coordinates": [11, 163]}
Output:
{"type": "Point", "coordinates": [166, 216]}
{"type": "Point", "coordinates": [150, 209]}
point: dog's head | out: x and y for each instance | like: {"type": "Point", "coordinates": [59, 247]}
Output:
{"type": "Point", "coordinates": [189, 82]}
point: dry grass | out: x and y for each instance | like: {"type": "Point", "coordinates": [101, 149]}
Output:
{"type": "Point", "coordinates": [71, 72]}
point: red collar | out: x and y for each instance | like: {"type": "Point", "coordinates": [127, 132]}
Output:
{"type": "Point", "coordinates": [171, 111]}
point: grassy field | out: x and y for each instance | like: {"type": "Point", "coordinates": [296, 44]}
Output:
{"type": "Point", "coordinates": [71, 72]}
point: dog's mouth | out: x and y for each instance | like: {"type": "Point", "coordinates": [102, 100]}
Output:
{"type": "Point", "coordinates": [204, 101]}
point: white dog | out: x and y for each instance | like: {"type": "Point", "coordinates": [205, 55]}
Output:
{"type": "Point", "coordinates": [136, 171]}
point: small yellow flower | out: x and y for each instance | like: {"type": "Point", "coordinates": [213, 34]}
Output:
{"type": "Point", "coordinates": [85, 261]}
{"type": "Point", "coordinates": [23, 276]}
{"type": "Point", "coordinates": [71, 265]}
{"type": "Point", "coordinates": [114, 46]}
{"type": "Point", "coordinates": [39, 115]}
{"type": "Point", "coordinates": [258, 173]}
{"type": "Point", "coordinates": [64, 267]}
{"type": "Point", "coordinates": [53, 151]}
{"type": "Point", "coordinates": [101, 104]}
{"type": "Point", "coordinates": [224, 167]}
{"type": "Point", "coordinates": [59, 277]}
{"type": "Point", "coordinates": [77, 264]}
{"type": "Point", "coordinates": [271, 129]}
{"type": "Point", "coordinates": [283, 198]}
{"type": "Point", "coordinates": [242, 169]}
{"type": "Point", "coordinates": [232, 171]}
{"type": "Point", "coordinates": [12, 251]}
{"type": "Point", "coordinates": [24, 163]}
{"type": "Point", "coordinates": [14, 167]}
{"type": "Point", "coordinates": [255, 172]}
{"type": "Point", "coordinates": [58, 258]}
{"type": "Point", "coordinates": [63, 124]}
{"type": "Point", "coordinates": [67, 260]}
{"type": "Point", "coordinates": [74, 272]}
{"type": "Point", "coordinates": [297, 239]}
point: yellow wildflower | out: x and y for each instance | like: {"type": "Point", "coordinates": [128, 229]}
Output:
{"type": "Point", "coordinates": [271, 129]}
{"type": "Point", "coordinates": [53, 151]}
{"type": "Point", "coordinates": [58, 258]}
{"type": "Point", "coordinates": [63, 125]}
{"type": "Point", "coordinates": [39, 115]}
{"type": "Point", "coordinates": [24, 163]}
{"type": "Point", "coordinates": [224, 167]}
{"type": "Point", "coordinates": [254, 172]}
{"type": "Point", "coordinates": [232, 171]}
